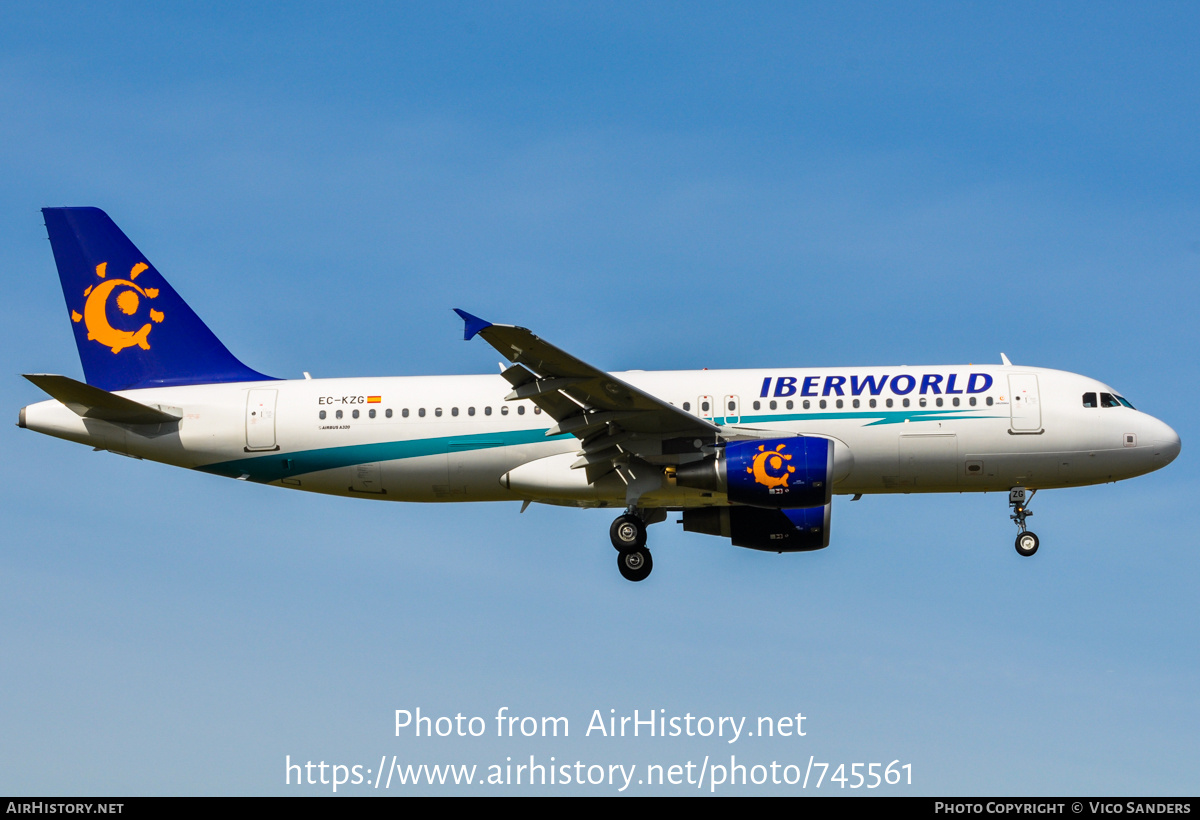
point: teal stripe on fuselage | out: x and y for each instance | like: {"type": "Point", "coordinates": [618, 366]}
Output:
{"type": "Point", "coordinates": [879, 416]}
{"type": "Point", "coordinates": [276, 466]}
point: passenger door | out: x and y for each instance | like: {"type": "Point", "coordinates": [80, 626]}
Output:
{"type": "Point", "coordinates": [1024, 406]}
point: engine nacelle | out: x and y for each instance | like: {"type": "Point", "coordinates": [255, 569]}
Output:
{"type": "Point", "coordinates": [777, 473]}
{"type": "Point", "coordinates": [758, 529]}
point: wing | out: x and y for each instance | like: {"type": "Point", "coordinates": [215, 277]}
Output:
{"type": "Point", "coordinates": [616, 422]}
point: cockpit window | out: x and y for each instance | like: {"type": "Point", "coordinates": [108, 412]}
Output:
{"type": "Point", "coordinates": [1109, 400]}
{"type": "Point", "coordinates": [1125, 402]}
{"type": "Point", "coordinates": [1089, 399]}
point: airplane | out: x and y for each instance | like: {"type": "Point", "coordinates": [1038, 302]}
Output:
{"type": "Point", "coordinates": [754, 456]}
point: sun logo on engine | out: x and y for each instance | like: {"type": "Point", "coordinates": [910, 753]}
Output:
{"type": "Point", "coordinates": [768, 469]}
{"type": "Point", "coordinates": [129, 301]}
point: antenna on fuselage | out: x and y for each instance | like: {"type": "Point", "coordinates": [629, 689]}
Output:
{"type": "Point", "coordinates": [1004, 359]}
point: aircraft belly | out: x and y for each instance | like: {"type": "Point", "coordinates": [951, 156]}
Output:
{"type": "Point", "coordinates": [422, 478]}
{"type": "Point", "coordinates": [464, 473]}
{"type": "Point", "coordinates": [919, 458]}
{"type": "Point", "coordinates": [927, 462]}
{"type": "Point", "coordinates": [998, 471]}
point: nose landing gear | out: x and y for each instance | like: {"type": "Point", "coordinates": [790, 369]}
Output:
{"type": "Point", "coordinates": [628, 534]}
{"type": "Point", "coordinates": [1027, 542]}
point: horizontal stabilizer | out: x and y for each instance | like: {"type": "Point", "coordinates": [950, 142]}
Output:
{"type": "Point", "coordinates": [94, 403]}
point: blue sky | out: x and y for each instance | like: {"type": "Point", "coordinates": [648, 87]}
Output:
{"type": "Point", "coordinates": [655, 186]}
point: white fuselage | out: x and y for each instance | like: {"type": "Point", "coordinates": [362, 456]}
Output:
{"type": "Point", "coordinates": [455, 438]}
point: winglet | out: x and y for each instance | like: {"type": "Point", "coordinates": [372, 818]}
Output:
{"type": "Point", "coordinates": [473, 324]}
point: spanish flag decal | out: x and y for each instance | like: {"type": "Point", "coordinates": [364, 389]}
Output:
{"type": "Point", "coordinates": [373, 399]}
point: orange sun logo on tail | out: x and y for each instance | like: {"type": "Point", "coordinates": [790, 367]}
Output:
{"type": "Point", "coordinates": [771, 460]}
{"type": "Point", "coordinates": [129, 300]}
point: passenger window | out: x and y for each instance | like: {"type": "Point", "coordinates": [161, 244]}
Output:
{"type": "Point", "coordinates": [1089, 399]}
{"type": "Point", "coordinates": [454, 411]}
{"type": "Point", "coordinates": [824, 404]}
{"type": "Point", "coordinates": [790, 404]}
{"type": "Point", "coordinates": [354, 413]}
{"type": "Point", "coordinates": [757, 405]}
{"type": "Point", "coordinates": [906, 402]}
{"type": "Point", "coordinates": [921, 401]}
{"type": "Point", "coordinates": [856, 403]}
{"type": "Point", "coordinates": [437, 411]}
{"type": "Point", "coordinates": [732, 407]}
{"type": "Point", "coordinates": [872, 402]}
{"type": "Point", "coordinates": [989, 401]}
{"type": "Point", "coordinates": [338, 414]}
{"type": "Point", "coordinates": [889, 402]}
{"type": "Point", "coordinates": [955, 401]}
{"type": "Point", "coordinates": [504, 409]}
{"type": "Point", "coordinates": [487, 411]}
{"type": "Point", "coordinates": [388, 412]}
{"type": "Point", "coordinates": [704, 406]}
{"type": "Point", "coordinates": [421, 412]}
{"type": "Point", "coordinates": [687, 405]}
{"type": "Point", "coordinates": [520, 410]}
{"type": "Point", "coordinates": [839, 404]}
{"type": "Point", "coordinates": [371, 412]}
{"type": "Point", "coordinates": [470, 411]}
{"type": "Point", "coordinates": [537, 411]}
{"type": "Point", "coordinates": [938, 402]}
{"type": "Point", "coordinates": [322, 414]}
{"type": "Point", "coordinates": [972, 401]}
{"type": "Point", "coordinates": [774, 404]}
{"type": "Point", "coordinates": [807, 404]}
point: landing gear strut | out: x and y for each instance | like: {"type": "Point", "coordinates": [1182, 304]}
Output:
{"type": "Point", "coordinates": [628, 534]}
{"type": "Point", "coordinates": [1027, 542]}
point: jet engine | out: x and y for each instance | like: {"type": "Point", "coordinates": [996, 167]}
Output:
{"type": "Point", "coordinates": [759, 529]}
{"type": "Point", "coordinates": [783, 473]}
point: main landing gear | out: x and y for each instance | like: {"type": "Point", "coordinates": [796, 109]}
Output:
{"type": "Point", "coordinates": [628, 534]}
{"type": "Point", "coordinates": [1027, 542]}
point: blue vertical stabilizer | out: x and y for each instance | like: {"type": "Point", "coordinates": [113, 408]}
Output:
{"type": "Point", "coordinates": [131, 327]}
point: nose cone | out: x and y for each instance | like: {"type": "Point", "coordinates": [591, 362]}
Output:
{"type": "Point", "coordinates": [1165, 442]}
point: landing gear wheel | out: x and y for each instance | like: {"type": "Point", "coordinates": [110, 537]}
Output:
{"type": "Point", "coordinates": [1027, 544]}
{"type": "Point", "coordinates": [635, 564]}
{"type": "Point", "coordinates": [628, 533]}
